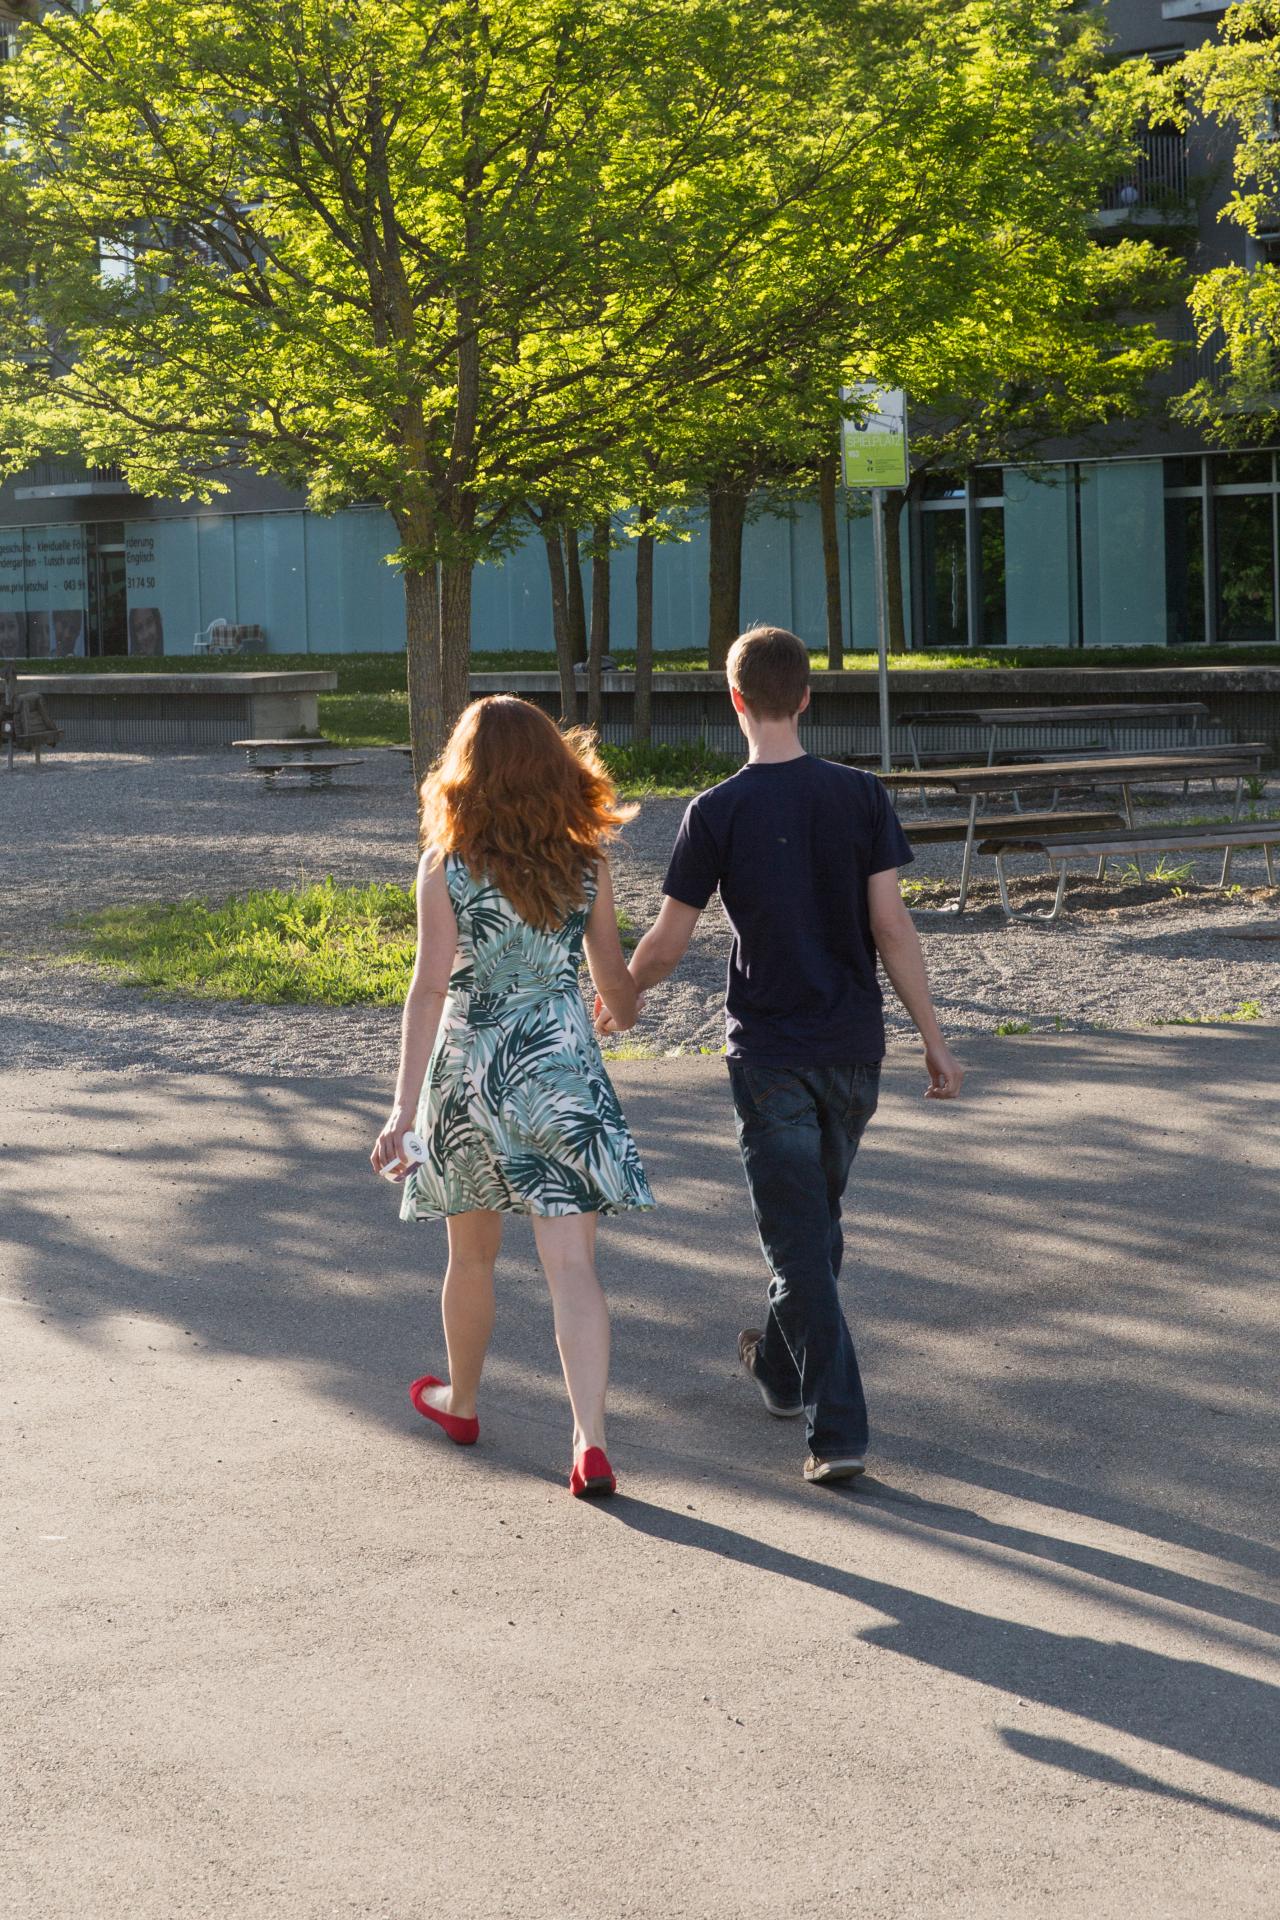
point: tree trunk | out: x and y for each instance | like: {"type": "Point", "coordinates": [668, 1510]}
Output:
{"type": "Point", "coordinates": [574, 599]}
{"type": "Point", "coordinates": [599, 644]}
{"type": "Point", "coordinates": [642, 713]}
{"type": "Point", "coordinates": [427, 733]}
{"type": "Point", "coordinates": [828, 469]}
{"type": "Point", "coordinates": [726, 518]}
{"type": "Point", "coordinates": [894, 502]}
{"type": "Point", "coordinates": [455, 639]}
{"type": "Point", "coordinates": [560, 622]}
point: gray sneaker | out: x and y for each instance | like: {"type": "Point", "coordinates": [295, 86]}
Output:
{"type": "Point", "coordinates": [844, 1466]}
{"type": "Point", "coordinates": [748, 1341]}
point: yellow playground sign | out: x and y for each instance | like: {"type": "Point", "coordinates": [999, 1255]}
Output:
{"type": "Point", "coordinates": [875, 445]}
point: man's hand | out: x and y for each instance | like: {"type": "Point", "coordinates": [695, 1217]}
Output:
{"type": "Point", "coordinates": [946, 1075]}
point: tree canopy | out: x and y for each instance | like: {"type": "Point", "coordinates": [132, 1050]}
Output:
{"type": "Point", "coordinates": [1235, 80]}
{"type": "Point", "coordinates": [478, 259]}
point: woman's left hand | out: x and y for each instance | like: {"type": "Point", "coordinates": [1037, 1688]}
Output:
{"type": "Point", "coordinates": [388, 1148]}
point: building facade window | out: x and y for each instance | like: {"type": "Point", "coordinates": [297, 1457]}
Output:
{"type": "Point", "coordinates": [960, 548]}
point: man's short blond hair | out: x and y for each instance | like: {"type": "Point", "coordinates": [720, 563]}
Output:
{"type": "Point", "coordinates": [769, 666]}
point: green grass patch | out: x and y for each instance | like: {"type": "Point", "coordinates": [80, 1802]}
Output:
{"type": "Point", "coordinates": [1007, 1027]}
{"type": "Point", "coordinates": [321, 945]}
{"type": "Point", "coordinates": [1246, 1010]}
{"type": "Point", "coordinates": [662, 772]}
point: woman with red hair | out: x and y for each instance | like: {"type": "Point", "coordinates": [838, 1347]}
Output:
{"type": "Point", "coordinates": [499, 1064]}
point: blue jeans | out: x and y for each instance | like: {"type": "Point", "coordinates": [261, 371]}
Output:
{"type": "Point", "coordinates": [799, 1129]}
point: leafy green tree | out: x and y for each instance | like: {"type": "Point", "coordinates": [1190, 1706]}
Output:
{"type": "Point", "coordinates": [998, 310]}
{"type": "Point", "coordinates": [1235, 81]}
{"type": "Point", "coordinates": [1060, 352]}
{"type": "Point", "coordinates": [440, 254]}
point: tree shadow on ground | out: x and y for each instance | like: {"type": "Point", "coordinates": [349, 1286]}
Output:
{"type": "Point", "coordinates": [1062, 1301]}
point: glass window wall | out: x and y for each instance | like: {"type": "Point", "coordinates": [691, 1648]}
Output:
{"type": "Point", "coordinates": [1245, 543]}
{"type": "Point", "coordinates": [945, 580]}
{"type": "Point", "coordinates": [1184, 568]}
{"type": "Point", "coordinates": [991, 554]}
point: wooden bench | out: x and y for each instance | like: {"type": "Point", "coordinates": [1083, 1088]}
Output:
{"type": "Point", "coordinates": [294, 749]}
{"type": "Point", "coordinates": [317, 773]}
{"type": "Point", "coordinates": [1061, 848]}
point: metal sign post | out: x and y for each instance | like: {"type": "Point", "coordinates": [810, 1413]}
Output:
{"type": "Point", "coordinates": [875, 454]}
{"type": "Point", "coordinates": [882, 621]}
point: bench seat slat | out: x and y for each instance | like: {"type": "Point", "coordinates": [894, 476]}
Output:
{"type": "Point", "coordinates": [302, 766]}
{"type": "Point", "coordinates": [1094, 846]}
{"type": "Point", "coordinates": [304, 745]}
{"type": "Point", "coordinates": [1107, 770]}
{"type": "Point", "coordinates": [956, 826]}
{"type": "Point", "coordinates": [1045, 716]}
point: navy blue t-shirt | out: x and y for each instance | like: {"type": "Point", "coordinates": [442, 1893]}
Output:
{"type": "Point", "coordinates": [791, 845]}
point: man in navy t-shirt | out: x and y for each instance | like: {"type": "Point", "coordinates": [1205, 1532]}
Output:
{"type": "Point", "coordinates": [805, 855]}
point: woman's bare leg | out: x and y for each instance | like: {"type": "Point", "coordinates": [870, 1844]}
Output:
{"type": "Point", "coordinates": [567, 1250]}
{"type": "Point", "coordinates": [466, 1306]}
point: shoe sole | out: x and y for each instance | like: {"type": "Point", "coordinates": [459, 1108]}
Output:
{"type": "Point", "coordinates": [779, 1413]}
{"type": "Point", "coordinates": [837, 1470]}
{"type": "Point", "coordinates": [771, 1406]}
{"type": "Point", "coordinates": [595, 1490]}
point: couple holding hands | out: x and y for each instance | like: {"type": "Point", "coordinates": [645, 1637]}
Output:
{"type": "Point", "coordinates": [502, 1073]}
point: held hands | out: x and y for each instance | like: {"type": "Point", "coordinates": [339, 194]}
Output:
{"type": "Point", "coordinates": [604, 1021]}
{"type": "Point", "coordinates": [946, 1075]}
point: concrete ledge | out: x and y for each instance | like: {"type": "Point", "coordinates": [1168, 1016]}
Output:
{"type": "Point", "coordinates": [844, 716]}
{"type": "Point", "coordinates": [177, 712]}
{"type": "Point", "coordinates": [991, 684]}
{"type": "Point", "coordinates": [183, 685]}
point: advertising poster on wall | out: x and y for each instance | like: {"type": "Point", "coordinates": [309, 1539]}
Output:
{"type": "Point", "coordinates": [42, 592]}
{"type": "Point", "coordinates": [162, 585]}
{"type": "Point", "coordinates": [55, 586]}
{"type": "Point", "coordinates": [142, 586]}
{"type": "Point", "coordinates": [13, 596]}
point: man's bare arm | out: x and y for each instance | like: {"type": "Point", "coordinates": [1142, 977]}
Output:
{"type": "Point", "coordinates": [659, 952]}
{"type": "Point", "coordinates": [898, 945]}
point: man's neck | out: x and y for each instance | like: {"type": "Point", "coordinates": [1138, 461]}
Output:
{"type": "Point", "coordinates": [773, 741]}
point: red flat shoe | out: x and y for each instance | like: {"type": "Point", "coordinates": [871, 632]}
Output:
{"type": "Point", "coordinates": [592, 1476]}
{"type": "Point", "coordinates": [463, 1433]}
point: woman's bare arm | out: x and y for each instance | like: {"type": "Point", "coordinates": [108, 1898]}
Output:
{"type": "Point", "coordinates": [605, 958]}
{"type": "Point", "coordinates": [437, 948]}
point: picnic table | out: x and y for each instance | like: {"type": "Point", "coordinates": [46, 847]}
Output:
{"type": "Point", "coordinates": [317, 770]}
{"type": "Point", "coordinates": [1236, 760]}
{"type": "Point", "coordinates": [297, 748]}
{"type": "Point", "coordinates": [1106, 714]}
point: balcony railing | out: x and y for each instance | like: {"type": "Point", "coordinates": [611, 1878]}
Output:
{"type": "Point", "coordinates": [1156, 186]}
{"type": "Point", "coordinates": [63, 479]}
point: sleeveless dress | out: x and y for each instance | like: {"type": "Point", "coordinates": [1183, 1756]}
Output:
{"type": "Point", "coordinates": [517, 1113]}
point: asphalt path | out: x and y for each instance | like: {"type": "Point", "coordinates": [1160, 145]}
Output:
{"type": "Point", "coordinates": [272, 1647]}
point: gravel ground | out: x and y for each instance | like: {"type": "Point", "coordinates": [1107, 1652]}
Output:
{"type": "Point", "coordinates": [92, 830]}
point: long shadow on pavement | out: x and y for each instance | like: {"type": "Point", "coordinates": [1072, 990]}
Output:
{"type": "Point", "coordinates": [1223, 1719]}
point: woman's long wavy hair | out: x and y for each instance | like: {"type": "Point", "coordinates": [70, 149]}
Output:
{"type": "Point", "coordinates": [527, 806]}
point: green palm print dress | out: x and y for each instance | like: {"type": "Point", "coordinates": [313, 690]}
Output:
{"type": "Point", "coordinates": [517, 1113]}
